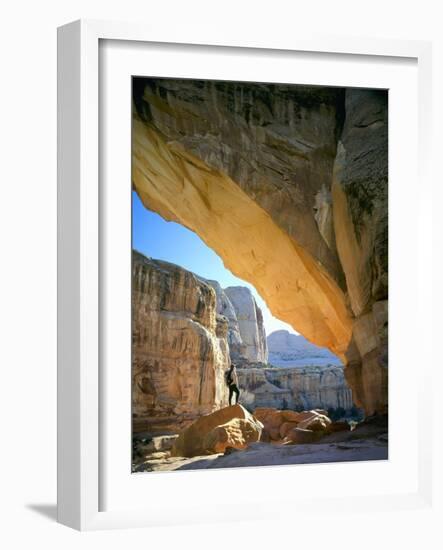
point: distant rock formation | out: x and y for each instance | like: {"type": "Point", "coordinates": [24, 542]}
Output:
{"type": "Point", "coordinates": [295, 388]}
{"type": "Point", "coordinates": [246, 331]}
{"type": "Point", "coordinates": [179, 348]}
{"type": "Point", "coordinates": [287, 350]}
{"type": "Point", "coordinates": [237, 348]}
{"type": "Point", "coordinates": [250, 322]}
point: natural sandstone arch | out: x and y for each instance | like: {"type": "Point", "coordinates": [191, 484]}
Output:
{"type": "Point", "coordinates": [182, 188]}
{"type": "Point", "coordinates": [289, 186]}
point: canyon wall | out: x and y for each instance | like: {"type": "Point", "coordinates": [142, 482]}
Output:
{"type": "Point", "coordinates": [246, 331]}
{"type": "Point", "coordinates": [360, 199]}
{"type": "Point", "coordinates": [250, 321]}
{"type": "Point", "coordinates": [179, 349]}
{"type": "Point", "coordinates": [296, 388]}
{"type": "Point", "coordinates": [237, 348]}
{"type": "Point", "coordinates": [288, 184]}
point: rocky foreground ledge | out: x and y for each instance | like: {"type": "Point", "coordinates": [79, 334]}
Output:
{"type": "Point", "coordinates": [232, 437]}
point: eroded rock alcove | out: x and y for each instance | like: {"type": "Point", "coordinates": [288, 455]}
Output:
{"type": "Point", "coordinates": [288, 185]}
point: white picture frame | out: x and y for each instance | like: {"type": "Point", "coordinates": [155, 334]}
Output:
{"type": "Point", "coordinates": [81, 413]}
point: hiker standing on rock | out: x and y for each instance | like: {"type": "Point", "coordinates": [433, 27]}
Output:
{"type": "Point", "coordinates": [232, 382]}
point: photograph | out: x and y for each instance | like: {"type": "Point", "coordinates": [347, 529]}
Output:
{"type": "Point", "coordinates": [259, 274]}
{"type": "Point", "coordinates": [222, 275]}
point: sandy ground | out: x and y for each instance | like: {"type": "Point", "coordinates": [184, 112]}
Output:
{"type": "Point", "coordinates": [267, 454]}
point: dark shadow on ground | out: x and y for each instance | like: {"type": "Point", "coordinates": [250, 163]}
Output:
{"type": "Point", "coordinates": [49, 511]}
{"type": "Point", "coordinates": [195, 465]}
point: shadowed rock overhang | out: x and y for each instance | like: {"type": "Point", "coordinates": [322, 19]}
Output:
{"type": "Point", "coordinates": [288, 185]}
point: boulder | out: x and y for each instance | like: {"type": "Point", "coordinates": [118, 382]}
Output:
{"type": "Point", "coordinates": [274, 434]}
{"type": "Point", "coordinates": [300, 436]}
{"type": "Point", "coordinates": [272, 420]}
{"type": "Point", "coordinates": [202, 436]}
{"type": "Point", "coordinates": [277, 424]}
{"type": "Point", "coordinates": [316, 423]}
{"type": "Point", "coordinates": [305, 415]}
{"type": "Point", "coordinates": [290, 416]}
{"type": "Point", "coordinates": [285, 427]}
{"type": "Point", "coordinates": [235, 434]}
{"type": "Point", "coordinates": [321, 411]}
{"type": "Point", "coordinates": [261, 413]}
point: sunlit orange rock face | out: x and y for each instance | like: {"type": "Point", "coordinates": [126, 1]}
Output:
{"type": "Point", "coordinates": [179, 347]}
{"type": "Point", "coordinates": [289, 186]}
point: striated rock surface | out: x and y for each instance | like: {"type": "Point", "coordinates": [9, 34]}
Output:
{"type": "Point", "coordinates": [360, 198]}
{"type": "Point", "coordinates": [286, 350]}
{"type": "Point", "coordinates": [288, 184]}
{"type": "Point", "coordinates": [250, 323]}
{"type": "Point", "coordinates": [180, 349]}
{"type": "Point", "coordinates": [237, 348]}
{"type": "Point", "coordinates": [246, 331]}
{"type": "Point", "coordinates": [295, 388]}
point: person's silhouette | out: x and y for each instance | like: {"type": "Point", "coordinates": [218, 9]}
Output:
{"type": "Point", "coordinates": [232, 382]}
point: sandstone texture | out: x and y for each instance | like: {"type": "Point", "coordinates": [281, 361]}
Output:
{"type": "Point", "coordinates": [295, 387]}
{"type": "Point", "coordinates": [180, 349]}
{"type": "Point", "coordinates": [231, 437]}
{"type": "Point", "coordinates": [250, 322]}
{"type": "Point", "coordinates": [246, 183]}
{"type": "Point", "coordinates": [292, 426]}
{"type": "Point", "coordinates": [360, 198]}
{"type": "Point", "coordinates": [235, 434]}
{"type": "Point", "coordinates": [246, 331]}
{"type": "Point", "coordinates": [186, 332]}
{"type": "Point", "coordinates": [288, 184]}
{"type": "Point", "coordinates": [231, 427]}
{"type": "Point", "coordinates": [237, 348]}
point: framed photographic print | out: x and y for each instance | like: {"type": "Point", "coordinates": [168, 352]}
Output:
{"type": "Point", "coordinates": [232, 220]}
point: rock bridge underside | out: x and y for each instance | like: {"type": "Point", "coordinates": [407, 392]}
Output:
{"type": "Point", "coordinates": [288, 185]}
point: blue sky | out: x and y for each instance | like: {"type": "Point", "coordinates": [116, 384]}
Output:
{"type": "Point", "coordinates": [162, 240]}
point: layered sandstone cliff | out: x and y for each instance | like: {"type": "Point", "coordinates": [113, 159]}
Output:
{"type": "Point", "coordinates": [246, 331]}
{"type": "Point", "coordinates": [179, 349]}
{"type": "Point", "coordinates": [296, 388]}
{"type": "Point", "coordinates": [288, 184]}
{"type": "Point", "coordinates": [250, 322]}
